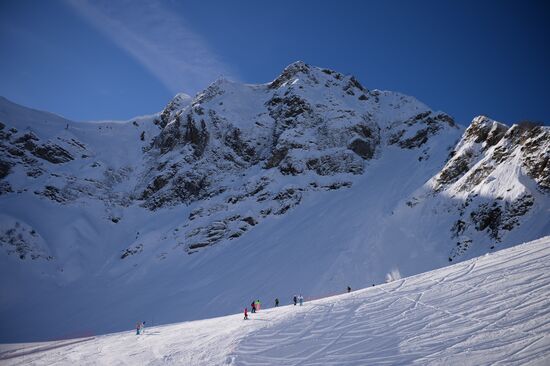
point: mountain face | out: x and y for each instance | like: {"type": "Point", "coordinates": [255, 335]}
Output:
{"type": "Point", "coordinates": [500, 175]}
{"type": "Point", "coordinates": [305, 184]}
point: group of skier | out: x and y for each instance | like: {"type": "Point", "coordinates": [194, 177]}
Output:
{"type": "Point", "coordinates": [297, 299]}
{"type": "Point", "coordinates": [255, 305]}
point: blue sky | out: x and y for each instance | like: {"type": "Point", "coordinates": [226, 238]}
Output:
{"type": "Point", "coordinates": [92, 60]}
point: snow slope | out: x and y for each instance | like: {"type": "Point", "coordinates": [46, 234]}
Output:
{"type": "Point", "coordinates": [489, 310]}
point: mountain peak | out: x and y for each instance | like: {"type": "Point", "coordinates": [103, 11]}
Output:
{"type": "Point", "coordinates": [179, 102]}
{"type": "Point", "coordinates": [290, 73]}
{"type": "Point", "coordinates": [312, 75]}
{"type": "Point", "coordinates": [484, 121]}
{"type": "Point", "coordinates": [181, 97]}
{"type": "Point", "coordinates": [298, 66]}
{"type": "Point", "coordinates": [485, 130]}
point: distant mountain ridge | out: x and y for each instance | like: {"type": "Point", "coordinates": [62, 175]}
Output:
{"type": "Point", "coordinates": [353, 182]}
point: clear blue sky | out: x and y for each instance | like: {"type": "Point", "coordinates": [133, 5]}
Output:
{"type": "Point", "coordinates": [108, 59]}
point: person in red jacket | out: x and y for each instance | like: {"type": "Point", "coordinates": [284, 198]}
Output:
{"type": "Point", "coordinates": [245, 313]}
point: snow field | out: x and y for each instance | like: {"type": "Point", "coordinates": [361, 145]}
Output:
{"type": "Point", "coordinates": [490, 310]}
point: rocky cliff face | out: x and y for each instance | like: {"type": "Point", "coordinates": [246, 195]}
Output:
{"type": "Point", "coordinates": [246, 152]}
{"type": "Point", "coordinates": [234, 144]}
{"type": "Point", "coordinates": [487, 177]}
{"type": "Point", "coordinates": [307, 119]}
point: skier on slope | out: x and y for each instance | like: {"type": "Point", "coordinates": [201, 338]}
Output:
{"type": "Point", "coordinates": [138, 327]}
{"type": "Point", "coordinates": [258, 305]}
{"type": "Point", "coordinates": [245, 313]}
{"type": "Point", "coordinates": [301, 299]}
{"type": "Point", "coordinates": [276, 302]}
{"type": "Point", "coordinates": [295, 298]}
{"type": "Point", "coordinates": [142, 330]}
{"type": "Point", "coordinates": [253, 306]}
{"type": "Point", "coordinates": [349, 289]}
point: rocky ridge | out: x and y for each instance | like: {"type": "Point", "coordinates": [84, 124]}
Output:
{"type": "Point", "coordinates": [246, 152]}
{"type": "Point", "coordinates": [484, 178]}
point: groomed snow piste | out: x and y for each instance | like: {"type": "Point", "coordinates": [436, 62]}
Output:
{"type": "Point", "coordinates": [491, 310]}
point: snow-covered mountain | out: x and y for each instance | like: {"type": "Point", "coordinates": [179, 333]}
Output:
{"type": "Point", "coordinates": [305, 184]}
{"type": "Point", "coordinates": [488, 310]}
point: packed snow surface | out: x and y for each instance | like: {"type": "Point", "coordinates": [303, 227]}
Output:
{"type": "Point", "coordinates": [490, 310]}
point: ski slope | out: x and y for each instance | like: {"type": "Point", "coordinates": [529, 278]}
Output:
{"type": "Point", "coordinates": [494, 309]}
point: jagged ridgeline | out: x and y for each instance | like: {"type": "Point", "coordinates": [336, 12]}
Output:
{"type": "Point", "coordinates": [350, 182]}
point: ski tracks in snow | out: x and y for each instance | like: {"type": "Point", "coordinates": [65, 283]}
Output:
{"type": "Point", "coordinates": [494, 310]}
{"type": "Point", "coordinates": [23, 351]}
{"type": "Point", "coordinates": [488, 311]}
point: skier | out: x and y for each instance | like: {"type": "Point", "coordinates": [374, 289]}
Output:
{"type": "Point", "coordinates": [253, 306]}
{"type": "Point", "coordinates": [245, 313]}
{"type": "Point", "coordinates": [258, 305]}
{"type": "Point", "coordinates": [276, 302]}
{"type": "Point", "coordinates": [138, 328]}
{"type": "Point", "coordinates": [142, 327]}
{"type": "Point", "coordinates": [301, 299]}
{"type": "Point", "coordinates": [295, 300]}
{"type": "Point", "coordinates": [349, 289]}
